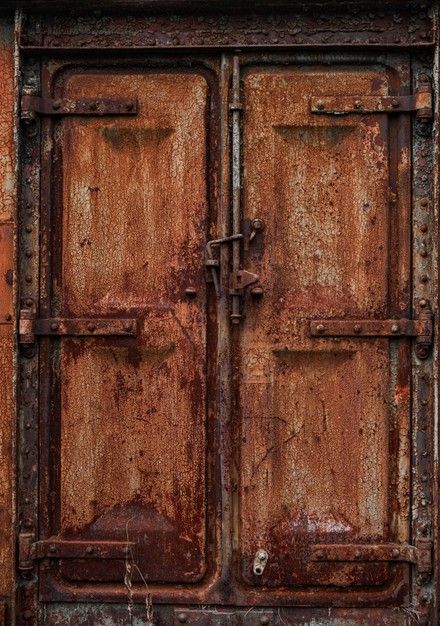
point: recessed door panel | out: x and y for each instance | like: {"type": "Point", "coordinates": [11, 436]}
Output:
{"type": "Point", "coordinates": [320, 461]}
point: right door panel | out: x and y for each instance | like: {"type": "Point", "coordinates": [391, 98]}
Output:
{"type": "Point", "coordinates": [324, 422]}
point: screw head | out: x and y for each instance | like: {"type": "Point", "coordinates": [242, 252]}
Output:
{"type": "Point", "coordinates": [395, 104]}
{"type": "Point", "coordinates": [320, 328]}
{"type": "Point", "coordinates": [28, 228]}
{"type": "Point", "coordinates": [182, 618]}
{"type": "Point", "coordinates": [54, 326]}
{"type": "Point", "coordinates": [258, 224]}
{"type": "Point", "coordinates": [422, 303]}
{"type": "Point", "coordinates": [395, 553]}
{"type": "Point", "coordinates": [91, 328]}
{"type": "Point", "coordinates": [56, 105]}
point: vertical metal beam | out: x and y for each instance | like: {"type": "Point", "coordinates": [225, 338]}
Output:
{"type": "Point", "coordinates": [236, 182]}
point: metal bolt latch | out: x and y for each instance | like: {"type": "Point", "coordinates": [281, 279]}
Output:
{"type": "Point", "coordinates": [260, 562]}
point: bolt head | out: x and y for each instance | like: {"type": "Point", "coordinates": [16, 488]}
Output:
{"type": "Point", "coordinates": [91, 327]}
{"type": "Point", "coordinates": [422, 303]}
{"type": "Point", "coordinates": [395, 104]}
{"type": "Point", "coordinates": [395, 553]}
{"type": "Point", "coordinates": [54, 326]}
{"type": "Point", "coordinates": [182, 618]}
{"type": "Point", "coordinates": [357, 328]}
{"type": "Point", "coordinates": [358, 104]}
{"type": "Point", "coordinates": [395, 328]}
{"type": "Point", "coordinates": [320, 328]}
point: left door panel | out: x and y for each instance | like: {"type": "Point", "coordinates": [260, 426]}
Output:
{"type": "Point", "coordinates": [123, 419]}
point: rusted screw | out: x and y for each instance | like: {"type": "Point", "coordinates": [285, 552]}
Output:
{"type": "Point", "coordinates": [357, 328]}
{"type": "Point", "coordinates": [320, 328]}
{"type": "Point", "coordinates": [191, 292]}
{"type": "Point", "coordinates": [395, 553]}
{"type": "Point", "coordinates": [182, 618]}
{"type": "Point", "coordinates": [54, 326]}
{"type": "Point", "coordinates": [424, 202]}
{"type": "Point", "coordinates": [264, 619]}
{"type": "Point", "coordinates": [28, 228]}
{"type": "Point", "coordinates": [257, 224]}
{"type": "Point", "coordinates": [257, 293]}
{"type": "Point", "coordinates": [422, 303]}
{"type": "Point", "coordinates": [395, 328]}
{"type": "Point", "coordinates": [395, 104]}
{"type": "Point", "coordinates": [91, 327]}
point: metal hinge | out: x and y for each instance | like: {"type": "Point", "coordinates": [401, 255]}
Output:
{"type": "Point", "coordinates": [421, 328]}
{"type": "Point", "coordinates": [419, 555]}
{"type": "Point", "coordinates": [420, 103]}
{"type": "Point", "coordinates": [30, 550]}
{"type": "Point", "coordinates": [32, 104]}
{"type": "Point", "coordinates": [29, 327]}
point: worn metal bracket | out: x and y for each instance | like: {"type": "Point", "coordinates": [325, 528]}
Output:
{"type": "Point", "coordinates": [32, 104]}
{"type": "Point", "coordinates": [422, 328]}
{"type": "Point", "coordinates": [419, 554]}
{"type": "Point", "coordinates": [29, 327]}
{"type": "Point", "coordinates": [224, 616]}
{"type": "Point", "coordinates": [419, 103]}
{"type": "Point", "coordinates": [30, 550]}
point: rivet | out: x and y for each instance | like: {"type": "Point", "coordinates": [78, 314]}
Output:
{"type": "Point", "coordinates": [29, 253]}
{"type": "Point", "coordinates": [91, 327]}
{"type": "Point", "coordinates": [27, 425]}
{"type": "Point", "coordinates": [358, 104]}
{"type": "Point", "coordinates": [423, 303]}
{"type": "Point", "coordinates": [182, 618]}
{"type": "Point", "coordinates": [28, 228]}
{"type": "Point", "coordinates": [357, 554]}
{"type": "Point", "coordinates": [357, 328]}
{"type": "Point", "coordinates": [423, 251]}
{"type": "Point", "coordinates": [27, 500]}
{"type": "Point", "coordinates": [423, 228]}
{"type": "Point", "coordinates": [52, 549]}
{"type": "Point", "coordinates": [425, 478]}
{"type": "Point", "coordinates": [29, 302]}
{"type": "Point", "coordinates": [395, 328]}
{"type": "Point", "coordinates": [424, 502]}
{"type": "Point", "coordinates": [8, 317]}
{"type": "Point", "coordinates": [191, 292]}
{"type": "Point", "coordinates": [320, 328]}
{"type": "Point", "coordinates": [54, 326]}
{"type": "Point", "coordinates": [395, 553]}
{"type": "Point", "coordinates": [56, 105]}
{"type": "Point", "coordinates": [320, 105]}
{"type": "Point", "coordinates": [28, 278]}
{"type": "Point", "coordinates": [89, 550]}
{"type": "Point", "coordinates": [129, 106]}
{"type": "Point", "coordinates": [264, 619]}
{"type": "Point", "coordinates": [424, 278]}
{"type": "Point", "coordinates": [128, 327]}
{"type": "Point", "coordinates": [395, 104]}
{"type": "Point", "coordinates": [319, 554]}
{"type": "Point", "coordinates": [424, 202]}
{"type": "Point", "coordinates": [424, 402]}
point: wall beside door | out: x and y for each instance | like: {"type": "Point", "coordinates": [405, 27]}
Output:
{"type": "Point", "coordinates": [7, 215]}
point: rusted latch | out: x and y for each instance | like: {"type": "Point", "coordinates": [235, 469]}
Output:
{"type": "Point", "coordinates": [419, 555]}
{"type": "Point", "coordinates": [33, 104]}
{"type": "Point", "coordinates": [422, 328]}
{"type": "Point", "coordinates": [420, 103]}
{"type": "Point", "coordinates": [30, 550]}
{"type": "Point", "coordinates": [29, 327]}
{"type": "Point", "coordinates": [212, 263]}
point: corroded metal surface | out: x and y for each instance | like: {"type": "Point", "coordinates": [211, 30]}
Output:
{"type": "Point", "coordinates": [346, 26]}
{"type": "Point", "coordinates": [277, 477]}
{"type": "Point", "coordinates": [7, 214]}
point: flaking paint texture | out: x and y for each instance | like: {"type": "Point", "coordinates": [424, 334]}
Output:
{"type": "Point", "coordinates": [7, 213]}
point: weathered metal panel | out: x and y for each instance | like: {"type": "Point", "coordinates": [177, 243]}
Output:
{"type": "Point", "coordinates": [7, 215]}
{"type": "Point", "coordinates": [130, 215]}
{"type": "Point", "coordinates": [317, 464]}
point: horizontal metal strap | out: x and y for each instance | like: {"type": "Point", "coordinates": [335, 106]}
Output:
{"type": "Point", "coordinates": [367, 328]}
{"type": "Point", "coordinates": [77, 106]}
{"type": "Point", "coordinates": [344, 105]}
{"type": "Point", "coordinates": [364, 552]}
{"type": "Point", "coordinates": [63, 549]}
{"type": "Point", "coordinates": [85, 327]}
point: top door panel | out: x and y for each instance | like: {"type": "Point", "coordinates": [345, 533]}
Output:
{"type": "Point", "coordinates": [128, 234]}
{"type": "Point", "coordinates": [320, 460]}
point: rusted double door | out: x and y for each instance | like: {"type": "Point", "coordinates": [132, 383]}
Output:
{"type": "Point", "coordinates": [230, 423]}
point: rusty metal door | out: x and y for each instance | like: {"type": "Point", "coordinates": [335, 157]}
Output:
{"type": "Point", "coordinates": [226, 337]}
